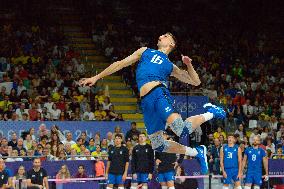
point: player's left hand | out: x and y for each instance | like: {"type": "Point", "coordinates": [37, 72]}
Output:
{"type": "Point", "coordinates": [265, 177]}
{"type": "Point", "coordinates": [124, 177]}
{"type": "Point", "coordinates": [186, 60]}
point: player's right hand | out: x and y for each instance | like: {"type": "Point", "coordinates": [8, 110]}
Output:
{"type": "Point", "coordinates": [224, 174]}
{"type": "Point", "coordinates": [134, 176]}
{"type": "Point", "coordinates": [88, 81]}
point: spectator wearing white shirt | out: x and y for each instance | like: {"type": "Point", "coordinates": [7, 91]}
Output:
{"type": "Point", "coordinates": [88, 114]}
{"type": "Point", "coordinates": [257, 109]}
{"type": "Point", "coordinates": [264, 134]}
{"type": "Point", "coordinates": [106, 103]}
{"type": "Point", "coordinates": [241, 131]}
{"type": "Point", "coordinates": [248, 110]}
{"type": "Point", "coordinates": [48, 104]}
{"type": "Point", "coordinates": [20, 87]}
{"type": "Point", "coordinates": [54, 112]}
{"type": "Point", "coordinates": [69, 139]}
{"type": "Point", "coordinates": [273, 122]}
{"type": "Point", "coordinates": [21, 110]}
{"type": "Point", "coordinates": [270, 145]}
{"type": "Point", "coordinates": [80, 68]}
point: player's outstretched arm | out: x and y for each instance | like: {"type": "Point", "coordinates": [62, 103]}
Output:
{"type": "Point", "coordinates": [240, 174]}
{"type": "Point", "coordinates": [114, 67]}
{"type": "Point", "coordinates": [190, 76]}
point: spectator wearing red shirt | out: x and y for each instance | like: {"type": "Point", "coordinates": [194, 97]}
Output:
{"type": "Point", "coordinates": [23, 73]}
{"type": "Point", "coordinates": [239, 98]}
{"type": "Point", "coordinates": [33, 112]}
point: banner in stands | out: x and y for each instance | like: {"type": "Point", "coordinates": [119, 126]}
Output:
{"type": "Point", "coordinates": [190, 105]}
{"type": "Point", "coordinates": [75, 127]}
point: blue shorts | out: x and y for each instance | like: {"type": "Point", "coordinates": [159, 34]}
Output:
{"type": "Point", "coordinates": [232, 174]}
{"type": "Point", "coordinates": [141, 178]}
{"type": "Point", "coordinates": [166, 177]}
{"type": "Point", "coordinates": [254, 178]}
{"type": "Point", "coordinates": [114, 179]}
{"type": "Point", "coordinates": [157, 105]}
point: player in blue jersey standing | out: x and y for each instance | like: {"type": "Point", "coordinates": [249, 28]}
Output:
{"type": "Point", "coordinates": [231, 163]}
{"type": "Point", "coordinates": [254, 157]}
{"type": "Point", "coordinates": [152, 74]}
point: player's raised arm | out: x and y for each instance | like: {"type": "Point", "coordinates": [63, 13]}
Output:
{"type": "Point", "coordinates": [114, 67]}
{"type": "Point", "coordinates": [190, 76]}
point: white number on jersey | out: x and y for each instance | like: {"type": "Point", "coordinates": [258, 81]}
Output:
{"type": "Point", "coordinates": [253, 157]}
{"type": "Point", "coordinates": [230, 155]}
{"type": "Point", "coordinates": [157, 59]}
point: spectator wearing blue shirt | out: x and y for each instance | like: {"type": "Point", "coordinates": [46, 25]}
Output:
{"type": "Point", "coordinates": [5, 176]}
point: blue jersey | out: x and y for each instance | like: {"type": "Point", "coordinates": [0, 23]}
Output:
{"type": "Point", "coordinates": [230, 156]}
{"type": "Point", "coordinates": [154, 65]}
{"type": "Point", "coordinates": [254, 158]}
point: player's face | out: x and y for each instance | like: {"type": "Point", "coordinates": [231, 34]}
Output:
{"type": "Point", "coordinates": [165, 40]}
{"type": "Point", "coordinates": [256, 141]}
{"type": "Point", "coordinates": [117, 141]}
{"type": "Point", "coordinates": [142, 139]}
{"type": "Point", "coordinates": [231, 140]}
{"type": "Point", "coordinates": [37, 163]}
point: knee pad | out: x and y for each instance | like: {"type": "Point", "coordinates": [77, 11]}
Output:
{"type": "Point", "coordinates": [158, 142]}
{"type": "Point", "coordinates": [256, 187]}
{"type": "Point", "coordinates": [181, 128]}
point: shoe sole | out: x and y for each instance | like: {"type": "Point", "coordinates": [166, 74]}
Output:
{"type": "Point", "coordinates": [205, 155]}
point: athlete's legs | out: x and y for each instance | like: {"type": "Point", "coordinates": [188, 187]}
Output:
{"type": "Point", "coordinates": [109, 186]}
{"type": "Point", "coordinates": [247, 186]}
{"type": "Point", "coordinates": [237, 184]}
{"type": "Point", "coordinates": [164, 185]}
{"type": "Point", "coordinates": [171, 184]}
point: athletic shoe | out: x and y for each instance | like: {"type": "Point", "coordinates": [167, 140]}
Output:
{"type": "Point", "coordinates": [217, 111]}
{"type": "Point", "coordinates": [202, 158]}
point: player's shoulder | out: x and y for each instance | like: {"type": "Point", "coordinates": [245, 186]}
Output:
{"type": "Point", "coordinates": [141, 50]}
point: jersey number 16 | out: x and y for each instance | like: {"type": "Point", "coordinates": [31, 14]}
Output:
{"type": "Point", "coordinates": [157, 59]}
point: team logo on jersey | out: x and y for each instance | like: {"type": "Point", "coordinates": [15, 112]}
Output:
{"type": "Point", "coordinates": [137, 150]}
{"type": "Point", "coordinates": [168, 109]}
{"type": "Point", "coordinates": [235, 150]}
{"type": "Point", "coordinates": [2, 177]}
{"type": "Point", "coordinates": [146, 150]}
{"type": "Point", "coordinates": [120, 152]}
{"type": "Point", "coordinates": [258, 152]}
{"type": "Point", "coordinates": [250, 152]}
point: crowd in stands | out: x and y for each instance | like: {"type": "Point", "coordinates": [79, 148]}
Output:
{"type": "Point", "coordinates": [33, 85]}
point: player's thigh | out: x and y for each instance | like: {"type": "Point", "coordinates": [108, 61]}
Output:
{"type": "Point", "coordinates": [170, 183]}
{"type": "Point", "coordinates": [118, 180]}
{"type": "Point", "coordinates": [143, 178]}
{"type": "Point", "coordinates": [249, 179]}
{"type": "Point", "coordinates": [235, 175]}
{"type": "Point", "coordinates": [257, 179]}
{"type": "Point", "coordinates": [164, 105]}
{"type": "Point", "coordinates": [161, 178]}
{"type": "Point", "coordinates": [228, 180]}
{"type": "Point", "coordinates": [170, 176]}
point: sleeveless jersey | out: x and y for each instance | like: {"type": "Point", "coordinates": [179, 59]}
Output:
{"type": "Point", "coordinates": [230, 156]}
{"type": "Point", "coordinates": [154, 65]}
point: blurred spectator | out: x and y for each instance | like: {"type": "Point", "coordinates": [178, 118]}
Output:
{"type": "Point", "coordinates": [77, 145]}
{"type": "Point", "coordinates": [28, 142]}
{"type": "Point", "coordinates": [110, 141]}
{"type": "Point", "coordinates": [280, 133]}
{"type": "Point", "coordinates": [91, 147]}
{"type": "Point", "coordinates": [270, 145]}
{"type": "Point", "coordinates": [97, 153]}
{"type": "Point", "coordinates": [73, 155]}
{"type": "Point", "coordinates": [63, 173]}
{"type": "Point", "coordinates": [81, 172]}
{"type": "Point", "coordinates": [69, 139]}
{"type": "Point", "coordinates": [241, 131]}
{"type": "Point", "coordinates": [14, 140]}
{"type": "Point", "coordinates": [100, 114]}
{"type": "Point", "coordinates": [133, 133]}
{"type": "Point", "coordinates": [219, 132]}
{"type": "Point", "coordinates": [21, 174]}
{"type": "Point", "coordinates": [279, 155]}
{"type": "Point", "coordinates": [14, 157]}
{"type": "Point", "coordinates": [117, 130]}
{"type": "Point", "coordinates": [253, 134]}
{"type": "Point", "coordinates": [214, 161]}
{"type": "Point", "coordinates": [100, 96]}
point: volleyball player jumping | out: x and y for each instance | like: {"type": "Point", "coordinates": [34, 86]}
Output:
{"type": "Point", "coordinates": [152, 74]}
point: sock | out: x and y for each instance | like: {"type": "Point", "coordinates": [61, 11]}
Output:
{"type": "Point", "coordinates": [207, 116]}
{"type": "Point", "coordinates": [238, 187]}
{"type": "Point", "coordinates": [172, 187]}
{"type": "Point", "coordinates": [191, 151]}
{"type": "Point", "coordinates": [225, 187]}
{"type": "Point", "coordinates": [247, 187]}
{"type": "Point", "coordinates": [144, 187]}
{"type": "Point", "coordinates": [164, 187]}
